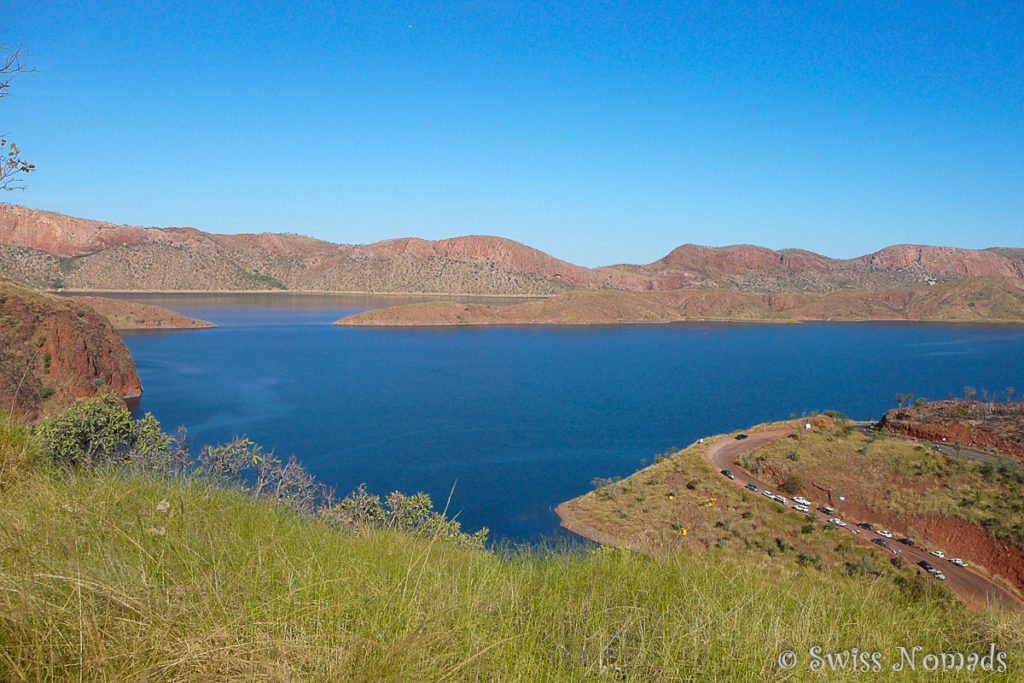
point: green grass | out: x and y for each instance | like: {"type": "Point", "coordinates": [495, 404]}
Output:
{"type": "Point", "coordinates": [97, 582]}
{"type": "Point", "coordinates": [124, 577]}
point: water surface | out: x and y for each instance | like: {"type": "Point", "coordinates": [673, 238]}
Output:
{"type": "Point", "coordinates": [519, 419]}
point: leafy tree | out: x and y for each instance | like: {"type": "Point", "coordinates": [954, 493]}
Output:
{"type": "Point", "coordinates": [12, 166]}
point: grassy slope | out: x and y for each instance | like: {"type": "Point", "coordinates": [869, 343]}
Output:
{"type": "Point", "coordinates": [96, 581]}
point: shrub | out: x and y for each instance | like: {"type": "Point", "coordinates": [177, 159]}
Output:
{"type": "Point", "coordinates": [89, 432]}
{"type": "Point", "coordinates": [792, 485]}
{"type": "Point", "coordinates": [46, 391]}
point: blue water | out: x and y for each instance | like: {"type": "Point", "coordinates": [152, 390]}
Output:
{"type": "Point", "coordinates": [520, 419]}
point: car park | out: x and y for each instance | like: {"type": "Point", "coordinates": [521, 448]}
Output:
{"type": "Point", "coordinates": [729, 474]}
{"type": "Point", "coordinates": [883, 532]}
{"type": "Point", "coordinates": [958, 562]}
{"type": "Point", "coordinates": [906, 542]}
{"type": "Point", "coordinates": [752, 487]}
{"type": "Point", "coordinates": [939, 554]}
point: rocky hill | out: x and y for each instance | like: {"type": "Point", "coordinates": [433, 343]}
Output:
{"type": "Point", "coordinates": [982, 299]}
{"type": "Point", "coordinates": [51, 250]}
{"type": "Point", "coordinates": [987, 426]}
{"type": "Point", "coordinates": [132, 315]}
{"type": "Point", "coordinates": [55, 350]}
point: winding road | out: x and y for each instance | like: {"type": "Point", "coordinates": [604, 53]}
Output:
{"type": "Point", "coordinates": [969, 585]}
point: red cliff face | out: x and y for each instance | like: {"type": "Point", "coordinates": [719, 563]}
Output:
{"type": "Point", "coordinates": [55, 350]}
{"type": "Point", "coordinates": [62, 235]}
{"type": "Point", "coordinates": [943, 260]}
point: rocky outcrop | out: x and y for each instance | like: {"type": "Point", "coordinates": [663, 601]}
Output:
{"type": "Point", "coordinates": [54, 350]}
{"type": "Point", "coordinates": [986, 426]}
{"type": "Point", "coordinates": [50, 250]}
{"type": "Point", "coordinates": [975, 300]}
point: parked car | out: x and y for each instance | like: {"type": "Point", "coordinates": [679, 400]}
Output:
{"type": "Point", "coordinates": [881, 541]}
{"type": "Point", "coordinates": [939, 554]}
{"type": "Point", "coordinates": [801, 508]}
{"type": "Point", "coordinates": [837, 521]}
{"type": "Point", "coordinates": [782, 499]}
{"type": "Point", "coordinates": [866, 525]}
{"type": "Point", "coordinates": [939, 575]}
{"type": "Point", "coordinates": [767, 494]}
{"type": "Point", "coordinates": [752, 487]}
{"type": "Point", "coordinates": [906, 541]}
{"type": "Point", "coordinates": [729, 474]}
{"type": "Point", "coordinates": [883, 532]}
{"type": "Point", "coordinates": [740, 437]}
{"type": "Point", "coordinates": [926, 565]}
{"type": "Point", "coordinates": [827, 510]}
{"type": "Point", "coordinates": [855, 531]}
{"type": "Point", "coordinates": [958, 562]}
{"type": "Point", "coordinates": [801, 500]}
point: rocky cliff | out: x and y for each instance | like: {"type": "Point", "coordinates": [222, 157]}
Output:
{"type": "Point", "coordinates": [50, 250]}
{"type": "Point", "coordinates": [53, 350]}
{"type": "Point", "coordinates": [987, 426]}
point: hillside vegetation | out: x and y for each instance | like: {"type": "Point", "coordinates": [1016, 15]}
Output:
{"type": "Point", "coordinates": [113, 571]}
{"type": "Point", "coordinates": [51, 250]}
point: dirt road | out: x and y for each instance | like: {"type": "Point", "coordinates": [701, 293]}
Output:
{"type": "Point", "coordinates": [972, 587]}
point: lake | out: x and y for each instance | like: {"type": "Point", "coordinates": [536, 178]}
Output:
{"type": "Point", "coordinates": [518, 419]}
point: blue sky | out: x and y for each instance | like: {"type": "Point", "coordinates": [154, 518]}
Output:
{"type": "Point", "coordinates": [599, 132]}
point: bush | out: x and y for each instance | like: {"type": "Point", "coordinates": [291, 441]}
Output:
{"type": "Point", "coordinates": [415, 514]}
{"type": "Point", "coordinates": [792, 485]}
{"type": "Point", "coordinates": [46, 391]}
{"type": "Point", "coordinates": [97, 431]}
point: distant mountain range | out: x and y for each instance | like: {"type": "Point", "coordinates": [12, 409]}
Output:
{"type": "Point", "coordinates": [51, 250]}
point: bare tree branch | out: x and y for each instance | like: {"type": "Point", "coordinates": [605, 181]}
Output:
{"type": "Point", "coordinates": [12, 167]}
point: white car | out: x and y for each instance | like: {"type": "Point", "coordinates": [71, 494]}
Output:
{"type": "Point", "coordinates": [801, 508]}
{"type": "Point", "coordinates": [767, 494]}
{"type": "Point", "coordinates": [958, 562]}
{"type": "Point", "coordinates": [883, 532]}
{"type": "Point", "coordinates": [801, 500]}
{"type": "Point", "coordinates": [938, 553]}
{"type": "Point", "coordinates": [782, 499]}
{"type": "Point", "coordinates": [854, 530]}
{"type": "Point", "coordinates": [939, 575]}
{"type": "Point", "coordinates": [837, 521]}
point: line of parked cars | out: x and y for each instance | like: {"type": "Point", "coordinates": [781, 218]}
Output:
{"type": "Point", "coordinates": [801, 504]}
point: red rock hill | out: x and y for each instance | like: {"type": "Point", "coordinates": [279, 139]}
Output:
{"type": "Point", "coordinates": [53, 350]}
